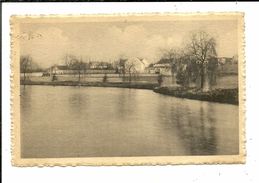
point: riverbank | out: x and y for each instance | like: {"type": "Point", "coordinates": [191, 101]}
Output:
{"type": "Point", "coordinates": [149, 86]}
{"type": "Point", "coordinates": [229, 96]}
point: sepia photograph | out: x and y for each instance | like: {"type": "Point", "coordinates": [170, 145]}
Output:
{"type": "Point", "coordinates": [128, 89]}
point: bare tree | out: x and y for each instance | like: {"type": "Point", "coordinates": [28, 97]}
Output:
{"type": "Point", "coordinates": [133, 67]}
{"type": "Point", "coordinates": [122, 67]}
{"type": "Point", "coordinates": [202, 46]}
{"type": "Point", "coordinates": [69, 60]}
{"type": "Point", "coordinates": [25, 65]}
{"type": "Point", "coordinates": [172, 55]}
{"type": "Point", "coordinates": [73, 63]}
{"type": "Point", "coordinates": [130, 67]}
{"type": "Point", "coordinates": [79, 66]}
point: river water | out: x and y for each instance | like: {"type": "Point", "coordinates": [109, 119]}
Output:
{"type": "Point", "coordinates": [66, 121]}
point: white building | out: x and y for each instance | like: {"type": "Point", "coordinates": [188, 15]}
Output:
{"type": "Point", "coordinates": [164, 69]}
{"type": "Point", "coordinates": [136, 65]}
{"type": "Point", "coordinates": [60, 69]}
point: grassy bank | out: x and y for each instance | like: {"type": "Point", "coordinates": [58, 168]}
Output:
{"type": "Point", "coordinates": [229, 96]}
{"type": "Point", "coordinates": [149, 86]}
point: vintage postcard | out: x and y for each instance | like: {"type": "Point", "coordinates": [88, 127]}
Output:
{"type": "Point", "coordinates": [129, 89]}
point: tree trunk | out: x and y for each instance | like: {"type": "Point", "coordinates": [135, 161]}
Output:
{"type": "Point", "coordinates": [202, 76]}
{"type": "Point", "coordinates": [123, 73]}
{"type": "Point", "coordinates": [129, 76]}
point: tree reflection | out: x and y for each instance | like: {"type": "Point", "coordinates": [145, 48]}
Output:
{"type": "Point", "coordinates": [197, 132]}
{"type": "Point", "coordinates": [77, 101]}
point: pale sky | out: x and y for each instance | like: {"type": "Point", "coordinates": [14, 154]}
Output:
{"type": "Point", "coordinates": [107, 41]}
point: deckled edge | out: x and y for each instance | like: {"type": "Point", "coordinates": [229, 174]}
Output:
{"type": "Point", "coordinates": [17, 161]}
{"type": "Point", "coordinates": [13, 138]}
{"type": "Point", "coordinates": [242, 96]}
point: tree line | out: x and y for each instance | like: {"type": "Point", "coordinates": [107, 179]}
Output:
{"type": "Point", "coordinates": [122, 66]}
{"type": "Point", "coordinates": [195, 63]}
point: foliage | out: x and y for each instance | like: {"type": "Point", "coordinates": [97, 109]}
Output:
{"type": "Point", "coordinates": [195, 62]}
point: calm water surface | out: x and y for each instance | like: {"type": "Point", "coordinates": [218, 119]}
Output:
{"type": "Point", "coordinates": [91, 121]}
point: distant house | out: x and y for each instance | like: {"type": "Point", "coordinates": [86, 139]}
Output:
{"type": "Point", "coordinates": [157, 68]}
{"type": "Point", "coordinates": [150, 69]}
{"type": "Point", "coordinates": [133, 65]}
{"type": "Point", "coordinates": [139, 64]}
{"type": "Point", "coordinates": [93, 65]}
{"type": "Point", "coordinates": [228, 65]}
{"type": "Point", "coordinates": [60, 69]}
{"type": "Point", "coordinates": [164, 68]}
{"type": "Point", "coordinates": [227, 60]}
{"type": "Point", "coordinates": [100, 65]}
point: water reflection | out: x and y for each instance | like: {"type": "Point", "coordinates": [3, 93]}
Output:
{"type": "Point", "coordinates": [198, 133]}
{"type": "Point", "coordinates": [88, 121]}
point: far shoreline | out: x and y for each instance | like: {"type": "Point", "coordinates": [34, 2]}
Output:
{"type": "Point", "coordinates": [226, 96]}
{"type": "Point", "coordinates": [148, 86]}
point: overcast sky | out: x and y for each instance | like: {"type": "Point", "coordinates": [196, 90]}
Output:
{"type": "Point", "coordinates": [109, 40]}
